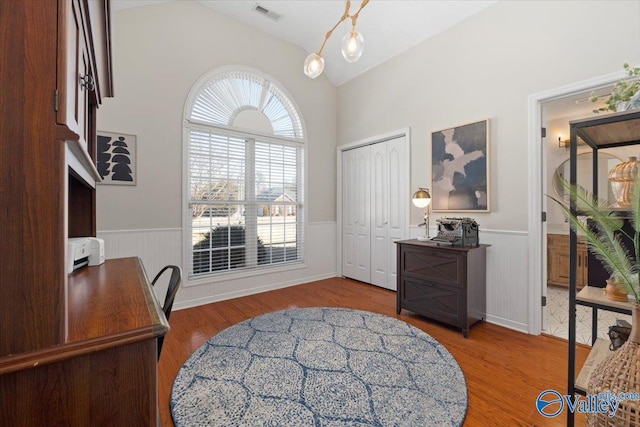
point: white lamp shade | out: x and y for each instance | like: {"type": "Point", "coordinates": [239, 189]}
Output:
{"type": "Point", "coordinates": [352, 46]}
{"type": "Point", "coordinates": [421, 198]}
{"type": "Point", "coordinates": [313, 65]}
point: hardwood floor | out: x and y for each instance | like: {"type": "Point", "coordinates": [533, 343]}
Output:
{"type": "Point", "coordinates": [505, 370]}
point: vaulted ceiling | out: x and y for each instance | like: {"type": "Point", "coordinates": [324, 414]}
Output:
{"type": "Point", "coordinates": [389, 27]}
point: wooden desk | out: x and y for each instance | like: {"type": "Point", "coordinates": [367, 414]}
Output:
{"type": "Point", "coordinates": [105, 373]}
{"type": "Point", "coordinates": [442, 282]}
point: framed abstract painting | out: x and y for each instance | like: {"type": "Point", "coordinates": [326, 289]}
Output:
{"type": "Point", "coordinates": [116, 158]}
{"type": "Point", "coordinates": [460, 168]}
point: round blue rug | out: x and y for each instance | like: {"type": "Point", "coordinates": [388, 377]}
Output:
{"type": "Point", "coordinates": [320, 367]}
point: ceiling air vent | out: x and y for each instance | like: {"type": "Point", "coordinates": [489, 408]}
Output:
{"type": "Point", "coordinates": [266, 12]}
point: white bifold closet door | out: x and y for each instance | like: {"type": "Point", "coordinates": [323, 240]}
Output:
{"type": "Point", "coordinates": [375, 201]}
{"type": "Point", "coordinates": [356, 214]}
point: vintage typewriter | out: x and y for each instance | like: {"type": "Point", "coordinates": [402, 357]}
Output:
{"type": "Point", "coordinates": [457, 231]}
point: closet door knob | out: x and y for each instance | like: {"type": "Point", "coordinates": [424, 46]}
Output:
{"type": "Point", "coordinates": [88, 82]}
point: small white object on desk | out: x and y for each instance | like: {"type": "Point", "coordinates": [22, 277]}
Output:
{"type": "Point", "coordinates": [78, 249]}
{"type": "Point", "coordinates": [96, 252]}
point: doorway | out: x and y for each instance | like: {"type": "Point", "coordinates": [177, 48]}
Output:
{"type": "Point", "coordinates": [556, 115]}
{"type": "Point", "coordinates": [549, 110]}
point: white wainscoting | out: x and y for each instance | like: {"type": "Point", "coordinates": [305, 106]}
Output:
{"type": "Point", "coordinates": [156, 248]}
{"type": "Point", "coordinates": [159, 247]}
{"type": "Point", "coordinates": [507, 263]}
{"type": "Point", "coordinates": [507, 284]}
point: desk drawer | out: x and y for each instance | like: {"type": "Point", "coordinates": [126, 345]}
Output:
{"type": "Point", "coordinates": [434, 266]}
{"type": "Point", "coordinates": [439, 302]}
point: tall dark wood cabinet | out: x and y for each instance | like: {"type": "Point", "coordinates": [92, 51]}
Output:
{"type": "Point", "coordinates": [75, 349]}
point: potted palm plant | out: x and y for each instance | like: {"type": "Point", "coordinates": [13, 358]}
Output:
{"type": "Point", "coordinates": [618, 372]}
{"type": "Point", "coordinates": [624, 93]}
{"type": "Point", "coordinates": [605, 233]}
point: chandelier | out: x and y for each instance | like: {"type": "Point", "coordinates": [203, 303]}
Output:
{"type": "Point", "coordinates": [352, 44]}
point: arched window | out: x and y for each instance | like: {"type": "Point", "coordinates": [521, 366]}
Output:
{"type": "Point", "coordinates": [244, 150]}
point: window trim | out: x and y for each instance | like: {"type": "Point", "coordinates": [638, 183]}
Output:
{"type": "Point", "coordinates": [189, 124]}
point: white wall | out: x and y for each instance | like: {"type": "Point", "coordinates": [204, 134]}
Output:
{"type": "Point", "coordinates": [486, 67]}
{"type": "Point", "coordinates": [159, 52]}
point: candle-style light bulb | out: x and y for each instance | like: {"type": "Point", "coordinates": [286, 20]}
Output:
{"type": "Point", "coordinates": [313, 65]}
{"type": "Point", "coordinates": [352, 46]}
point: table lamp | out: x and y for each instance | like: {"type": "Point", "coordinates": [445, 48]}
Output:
{"type": "Point", "coordinates": [422, 200]}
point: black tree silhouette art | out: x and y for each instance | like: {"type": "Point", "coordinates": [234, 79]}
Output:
{"type": "Point", "coordinates": [121, 161]}
{"type": "Point", "coordinates": [115, 158]}
{"type": "Point", "coordinates": [104, 156]}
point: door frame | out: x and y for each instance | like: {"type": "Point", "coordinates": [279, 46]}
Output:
{"type": "Point", "coordinates": [403, 132]}
{"type": "Point", "coordinates": [537, 203]}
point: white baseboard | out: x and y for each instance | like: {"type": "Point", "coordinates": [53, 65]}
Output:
{"type": "Point", "coordinates": [249, 291]}
{"type": "Point", "coordinates": [517, 326]}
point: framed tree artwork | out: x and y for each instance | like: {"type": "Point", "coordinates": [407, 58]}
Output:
{"type": "Point", "coordinates": [460, 168]}
{"type": "Point", "coordinates": [116, 158]}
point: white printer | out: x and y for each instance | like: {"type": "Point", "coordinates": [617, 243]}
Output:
{"type": "Point", "coordinates": [83, 251]}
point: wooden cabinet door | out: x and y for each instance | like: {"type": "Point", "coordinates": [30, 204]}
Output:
{"type": "Point", "coordinates": [558, 267]}
{"type": "Point", "coordinates": [558, 261]}
{"type": "Point", "coordinates": [75, 76]}
{"type": "Point", "coordinates": [31, 184]}
{"type": "Point", "coordinates": [582, 271]}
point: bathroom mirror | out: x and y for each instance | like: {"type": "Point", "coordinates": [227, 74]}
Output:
{"type": "Point", "coordinates": [584, 164]}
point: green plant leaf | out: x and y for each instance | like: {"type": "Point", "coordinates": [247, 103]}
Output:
{"type": "Point", "coordinates": [605, 238]}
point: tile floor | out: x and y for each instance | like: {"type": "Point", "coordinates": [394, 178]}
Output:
{"type": "Point", "coordinates": [556, 317]}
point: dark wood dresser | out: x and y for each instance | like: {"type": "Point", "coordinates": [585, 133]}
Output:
{"type": "Point", "coordinates": [442, 282]}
